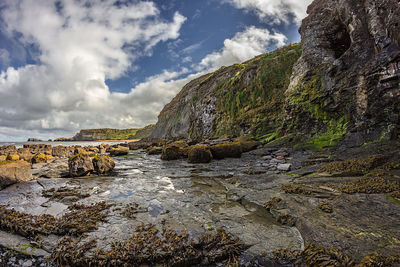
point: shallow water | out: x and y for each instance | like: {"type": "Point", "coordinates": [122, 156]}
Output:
{"type": "Point", "coordinates": [196, 197]}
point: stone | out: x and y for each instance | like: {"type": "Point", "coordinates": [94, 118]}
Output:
{"type": "Point", "coordinates": [154, 150]}
{"type": "Point", "coordinates": [284, 167]}
{"type": "Point", "coordinates": [12, 157]}
{"type": "Point", "coordinates": [62, 152]}
{"type": "Point", "coordinates": [41, 158]}
{"type": "Point", "coordinates": [80, 165]}
{"type": "Point", "coordinates": [3, 158]}
{"type": "Point", "coordinates": [12, 172]}
{"type": "Point", "coordinates": [226, 150]}
{"type": "Point", "coordinates": [199, 154]}
{"type": "Point", "coordinates": [174, 151]}
{"type": "Point", "coordinates": [119, 151]}
{"type": "Point", "coordinates": [103, 164]}
{"type": "Point", "coordinates": [247, 144]}
{"type": "Point", "coordinates": [24, 154]}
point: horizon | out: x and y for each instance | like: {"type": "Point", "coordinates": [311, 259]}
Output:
{"type": "Point", "coordinates": [76, 65]}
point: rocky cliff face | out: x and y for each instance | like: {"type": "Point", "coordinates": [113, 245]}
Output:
{"type": "Point", "coordinates": [344, 88]}
{"type": "Point", "coordinates": [347, 80]}
{"type": "Point", "coordinates": [240, 99]}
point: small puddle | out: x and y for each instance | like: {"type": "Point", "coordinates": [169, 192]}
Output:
{"type": "Point", "coordinates": [122, 195]}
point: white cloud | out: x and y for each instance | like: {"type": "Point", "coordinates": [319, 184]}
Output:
{"type": "Point", "coordinates": [243, 46]}
{"type": "Point", "coordinates": [87, 42]}
{"type": "Point", "coordinates": [81, 45]}
{"type": "Point", "coordinates": [274, 11]}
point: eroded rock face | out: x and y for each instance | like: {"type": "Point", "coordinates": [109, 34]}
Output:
{"type": "Point", "coordinates": [14, 172]}
{"type": "Point", "coordinates": [80, 165]}
{"type": "Point", "coordinates": [103, 164]}
{"type": "Point", "coordinates": [349, 70]}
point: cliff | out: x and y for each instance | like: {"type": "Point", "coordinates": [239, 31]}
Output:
{"type": "Point", "coordinates": [346, 83]}
{"type": "Point", "coordinates": [344, 88]}
{"type": "Point", "coordinates": [245, 98]}
{"type": "Point", "coordinates": [112, 134]}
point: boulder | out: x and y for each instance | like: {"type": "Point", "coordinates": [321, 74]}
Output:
{"type": "Point", "coordinates": [119, 151]}
{"type": "Point", "coordinates": [80, 165]}
{"type": "Point", "coordinates": [25, 154]}
{"type": "Point", "coordinates": [247, 144]}
{"type": "Point", "coordinates": [154, 150]}
{"type": "Point", "coordinates": [103, 164]}
{"type": "Point", "coordinates": [79, 150]}
{"type": "Point", "coordinates": [42, 158]}
{"type": "Point", "coordinates": [12, 157]}
{"type": "Point", "coordinates": [12, 172]}
{"type": "Point", "coordinates": [226, 150]}
{"type": "Point", "coordinates": [199, 154]}
{"type": "Point", "coordinates": [62, 152]}
{"type": "Point", "coordinates": [175, 150]}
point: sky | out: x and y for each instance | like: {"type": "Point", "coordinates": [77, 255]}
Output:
{"type": "Point", "coordinates": [81, 64]}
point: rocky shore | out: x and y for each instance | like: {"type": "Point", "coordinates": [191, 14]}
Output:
{"type": "Point", "coordinates": [273, 206]}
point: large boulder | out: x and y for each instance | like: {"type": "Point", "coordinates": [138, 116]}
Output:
{"type": "Point", "coordinates": [199, 154]}
{"type": "Point", "coordinates": [80, 165]}
{"type": "Point", "coordinates": [346, 82]}
{"type": "Point", "coordinates": [62, 152]}
{"type": "Point", "coordinates": [103, 164]}
{"type": "Point", "coordinates": [175, 150]}
{"type": "Point", "coordinates": [226, 150]}
{"type": "Point", "coordinates": [12, 172]}
{"type": "Point", "coordinates": [119, 151]}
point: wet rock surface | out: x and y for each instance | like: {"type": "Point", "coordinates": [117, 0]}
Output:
{"type": "Point", "coordinates": [230, 194]}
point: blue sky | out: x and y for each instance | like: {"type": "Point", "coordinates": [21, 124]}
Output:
{"type": "Point", "coordinates": [72, 64]}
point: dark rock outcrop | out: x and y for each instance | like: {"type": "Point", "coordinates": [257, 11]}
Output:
{"type": "Point", "coordinates": [226, 150]}
{"type": "Point", "coordinates": [119, 151]}
{"type": "Point", "coordinates": [347, 81]}
{"type": "Point", "coordinates": [80, 165]}
{"type": "Point", "coordinates": [175, 150]}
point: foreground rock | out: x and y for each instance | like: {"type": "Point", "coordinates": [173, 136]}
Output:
{"type": "Point", "coordinates": [80, 165]}
{"type": "Point", "coordinates": [199, 154]}
{"type": "Point", "coordinates": [14, 172]}
{"type": "Point", "coordinates": [103, 164]}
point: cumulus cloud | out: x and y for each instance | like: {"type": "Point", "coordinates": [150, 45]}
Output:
{"type": "Point", "coordinates": [243, 46]}
{"type": "Point", "coordinates": [81, 43]}
{"type": "Point", "coordinates": [274, 11]}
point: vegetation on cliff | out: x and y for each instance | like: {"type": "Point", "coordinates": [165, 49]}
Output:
{"type": "Point", "coordinates": [110, 134]}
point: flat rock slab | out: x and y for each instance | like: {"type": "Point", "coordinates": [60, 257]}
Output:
{"type": "Point", "coordinates": [21, 245]}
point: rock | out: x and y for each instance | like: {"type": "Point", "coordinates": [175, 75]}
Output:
{"type": "Point", "coordinates": [39, 148]}
{"type": "Point", "coordinates": [54, 169]}
{"type": "Point", "coordinates": [3, 158]}
{"type": "Point", "coordinates": [12, 157]}
{"type": "Point", "coordinates": [154, 150]}
{"type": "Point", "coordinates": [41, 158]}
{"type": "Point", "coordinates": [175, 150]}
{"type": "Point", "coordinates": [199, 154]}
{"type": "Point", "coordinates": [103, 164]}
{"type": "Point", "coordinates": [284, 167]}
{"type": "Point", "coordinates": [247, 144]}
{"type": "Point", "coordinates": [25, 154]}
{"type": "Point", "coordinates": [12, 172]}
{"type": "Point", "coordinates": [80, 165]}
{"type": "Point", "coordinates": [79, 150]}
{"type": "Point", "coordinates": [62, 152]}
{"type": "Point", "coordinates": [226, 150]}
{"type": "Point", "coordinates": [347, 79]}
{"type": "Point", "coordinates": [119, 151]}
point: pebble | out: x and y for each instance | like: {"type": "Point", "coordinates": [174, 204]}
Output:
{"type": "Point", "coordinates": [284, 167]}
{"type": "Point", "coordinates": [267, 157]}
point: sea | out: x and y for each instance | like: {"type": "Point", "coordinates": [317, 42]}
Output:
{"type": "Point", "coordinates": [55, 143]}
